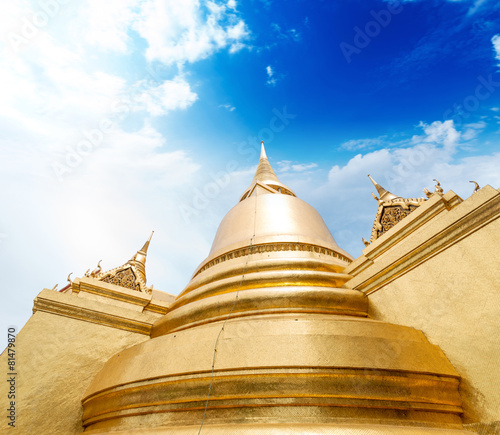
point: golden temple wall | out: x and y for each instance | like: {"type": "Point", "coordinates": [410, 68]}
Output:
{"type": "Point", "coordinates": [438, 271]}
{"type": "Point", "coordinates": [62, 347]}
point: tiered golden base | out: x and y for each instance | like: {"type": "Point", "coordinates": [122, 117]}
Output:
{"type": "Point", "coordinates": [273, 372]}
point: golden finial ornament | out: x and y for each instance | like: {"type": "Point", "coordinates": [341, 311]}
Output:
{"type": "Point", "coordinates": [438, 189]}
{"type": "Point", "coordinates": [380, 202]}
{"type": "Point", "coordinates": [96, 272]}
{"type": "Point", "coordinates": [366, 242]}
{"type": "Point", "coordinates": [69, 278]}
{"type": "Point", "coordinates": [476, 188]}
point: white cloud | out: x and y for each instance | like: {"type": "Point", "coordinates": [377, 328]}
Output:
{"type": "Point", "coordinates": [496, 46]}
{"type": "Point", "coordinates": [271, 79]}
{"type": "Point", "coordinates": [109, 23]}
{"type": "Point", "coordinates": [188, 31]}
{"type": "Point", "coordinates": [170, 95]}
{"type": "Point", "coordinates": [104, 209]}
{"type": "Point", "coordinates": [49, 95]}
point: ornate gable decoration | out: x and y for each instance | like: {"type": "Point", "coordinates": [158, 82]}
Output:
{"type": "Point", "coordinates": [131, 275]}
{"type": "Point", "coordinates": [125, 277]}
{"type": "Point", "coordinates": [391, 210]}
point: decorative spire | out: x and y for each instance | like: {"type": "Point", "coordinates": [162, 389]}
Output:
{"type": "Point", "coordinates": [263, 154]}
{"type": "Point", "coordinates": [265, 180]}
{"type": "Point", "coordinates": [139, 259]}
{"type": "Point", "coordinates": [264, 170]}
{"type": "Point", "coordinates": [385, 195]}
{"type": "Point", "coordinates": [144, 249]}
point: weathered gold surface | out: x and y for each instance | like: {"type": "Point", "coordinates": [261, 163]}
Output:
{"type": "Point", "coordinates": [294, 429]}
{"type": "Point", "coordinates": [57, 357]}
{"type": "Point", "coordinates": [438, 270]}
{"type": "Point", "coordinates": [282, 368]}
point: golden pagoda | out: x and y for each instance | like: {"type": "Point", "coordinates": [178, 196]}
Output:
{"type": "Point", "coordinates": [279, 331]}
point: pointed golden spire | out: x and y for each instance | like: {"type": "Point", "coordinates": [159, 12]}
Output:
{"type": "Point", "coordinates": [144, 249]}
{"type": "Point", "coordinates": [139, 259]}
{"type": "Point", "coordinates": [264, 170]}
{"type": "Point", "coordinates": [385, 195]}
{"type": "Point", "coordinates": [263, 154]}
{"type": "Point", "coordinates": [265, 180]}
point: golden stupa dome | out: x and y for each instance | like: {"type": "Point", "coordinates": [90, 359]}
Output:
{"type": "Point", "coordinates": [278, 243]}
{"type": "Point", "coordinates": [260, 218]}
{"type": "Point", "coordinates": [265, 339]}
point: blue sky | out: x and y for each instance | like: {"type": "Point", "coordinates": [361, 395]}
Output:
{"type": "Point", "coordinates": [127, 116]}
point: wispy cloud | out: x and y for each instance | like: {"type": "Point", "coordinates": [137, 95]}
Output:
{"type": "Point", "coordinates": [290, 34]}
{"type": "Point", "coordinates": [227, 107]}
{"type": "Point", "coordinates": [363, 144]}
{"type": "Point", "coordinates": [271, 78]}
{"type": "Point", "coordinates": [476, 4]}
{"type": "Point", "coordinates": [289, 166]}
{"type": "Point", "coordinates": [168, 96]}
{"type": "Point", "coordinates": [444, 37]}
